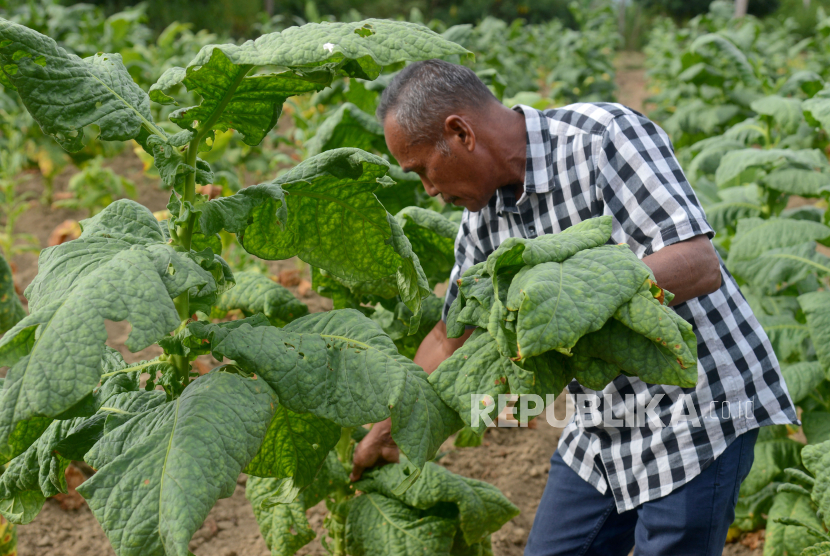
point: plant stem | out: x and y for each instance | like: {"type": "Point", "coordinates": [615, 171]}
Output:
{"type": "Point", "coordinates": [185, 237]}
{"type": "Point", "coordinates": [342, 496]}
{"type": "Point", "coordinates": [184, 231]}
{"type": "Point", "coordinates": [345, 448]}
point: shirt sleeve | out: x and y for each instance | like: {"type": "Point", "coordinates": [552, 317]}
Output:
{"type": "Point", "coordinates": [644, 188]}
{"type": "Point", "coordinates": [467, 253]}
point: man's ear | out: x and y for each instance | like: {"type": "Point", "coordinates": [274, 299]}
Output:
{"type": "Point", "coordinates": [459, 132]}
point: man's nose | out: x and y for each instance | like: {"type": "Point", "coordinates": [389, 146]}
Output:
{"type": "Point", "coordinates": [429, 188]}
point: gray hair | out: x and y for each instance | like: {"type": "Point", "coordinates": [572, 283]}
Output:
{"type": "Point", "coordinates": [423, 94]}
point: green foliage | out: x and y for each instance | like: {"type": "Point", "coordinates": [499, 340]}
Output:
{"type": "Point", "coordinates": [442, 513]}
{"type": "Point", "coordinates": [317, 363]}
{"type": "Point", "coordinates": [277, 410]}
{"type": "Point", "coordinates": [222, 416]}
{"type": "Point", "coordinates": [798, 518]}
{"type": "Point", "coordinates": [745, 101]}
{"type": "Point", "coordinates": [537, 301]}
{"type": "Point", "coordinates": [11, 310]}
{"type": "Point", "coordinates": [255, 293]}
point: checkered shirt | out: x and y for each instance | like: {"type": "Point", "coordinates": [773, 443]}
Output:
{"type": "Point", "coordinates": [591, 159]}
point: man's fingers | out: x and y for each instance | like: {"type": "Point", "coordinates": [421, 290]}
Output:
{"type": "Point", "coordinates": [389, 454]}
{"type": "Point", "coordinates": [364, 457]}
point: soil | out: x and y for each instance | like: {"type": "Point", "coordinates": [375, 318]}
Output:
{"type": "Point", "coordinates": [515, 460]}
{"type": "Point", "coordinates": [631, 80]}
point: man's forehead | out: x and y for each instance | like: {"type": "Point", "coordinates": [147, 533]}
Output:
{"type": "Point", "coordinates": [408, 155]}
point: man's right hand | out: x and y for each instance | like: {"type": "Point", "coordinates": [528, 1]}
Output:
{"type": "Point", "coordinates": [377, 448]}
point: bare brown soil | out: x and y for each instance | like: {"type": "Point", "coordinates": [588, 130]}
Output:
{"type": "Point", "coordinates": [514, 460]}
{"type": "Point", "coordinates": [631, 80]}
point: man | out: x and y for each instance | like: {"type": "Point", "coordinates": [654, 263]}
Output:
{"type": "Point", "coordinates": [670, 490]}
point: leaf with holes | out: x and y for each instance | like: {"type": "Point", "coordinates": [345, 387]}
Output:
{"type": "Point", "coordinates": [324, 211]}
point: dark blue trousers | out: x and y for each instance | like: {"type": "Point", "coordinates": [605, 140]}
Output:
{"type": "Point", "coordinates": [574, 519]}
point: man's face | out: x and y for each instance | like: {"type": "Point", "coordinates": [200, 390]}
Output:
{"type": "Point", "coordinates": [460, 173]}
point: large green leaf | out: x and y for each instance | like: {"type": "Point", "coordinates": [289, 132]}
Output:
{"type": "Point", "coordinates": [295, 447]}
{"type": "Point", "coordinates": [735, 163]}
{"type": "Point", "coordinates": [820, 549]}
{"type": "Point", "coordinates": [637, 355]}
{"type": "Point", "coordinates": [348, 126]}
{"type": "Point", "coordinates": [313, 53]}
{"type": "Point", "coordinates": [774, 453]}
{"type": "Point", "coordinates": [160, 473]}
{"type": "Point", "coordinates": [782, 266]}
{"type": "Point", "coordinates": [654, 321]}
{"type": "Point", "coordinates": [550, 247]}
{"type": "Point", "coordinates": [65, 93]}
{"type": "Point", "coordinates": [38, 473]}
{"type": "Point", "coordinates": [817, 461]}
{"type": "Point", "coordinates": [476, 368]}
{"type": "Point", "coordinates": [558, 303]}
{"type": "Point", "coordinates": [786, 335]}
{"type": "Point", "coordinates": [324, 211]}
{"type": "Point", "coordinates": [797, 181]}
{"type": "Point", "coordinates": [783, 540]}
{"type": "Point", "coordinates": [122, 226]}
{"type": "Point", "coordinates": [284, 527]}
{"type": "Point", "coordinates": [756, 236]}
{"type": "Point", "coordinates": [255, 293]}
{"type": "Point", "coordinates": [11, 310]}
{"type": "Point", "coordinates": [709, 154]}
{"type": "Point", "coordinates": [751, 511]}
{"type": "Point", "coordinates": [729, 51]}
{"type": "Point", "coordinates": [785, 111]}
{"type": "Point", "coordinates": [230, 100]}
{"type": "Point", "coordinates": [432, 236]}
{"type": "Point", "coordinates": [818, 110]}
{"type": "Point", "coordinates": [482, 508]}
{"type": "Point", "coordinates": [342, 367]}
{"type": "Point", "coordinates": [816, 426]}
{"type": "Point", "coordinates": [734, 204]}
{"type": "Point", "coordinates": [63, 365]}
{"type": "Point", "coordinates": [802, 378]}
{"type": "Point", "coordinates": [361, 47]}
{"type": "Point", "coordinates": [381, 526]}
{"type": "Point", "coordinates": [816, 306]}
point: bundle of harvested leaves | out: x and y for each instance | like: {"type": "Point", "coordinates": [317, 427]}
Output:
{"type": "Point", "coordinates": [560, 307]}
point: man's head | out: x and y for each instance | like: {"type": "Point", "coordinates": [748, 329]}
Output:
{"type": "Point", "coordinates": [443, 123]}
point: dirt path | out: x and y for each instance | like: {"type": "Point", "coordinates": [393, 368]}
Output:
{"type": "Point", "coordinates": [515, 460]}
{"type": "Point", "coordinates": [631, 80]}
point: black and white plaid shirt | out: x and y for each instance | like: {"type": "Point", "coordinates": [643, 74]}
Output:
{"type": "Point", "coordinates": [587, 160]}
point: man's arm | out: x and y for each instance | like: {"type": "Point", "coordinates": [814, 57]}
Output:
{"type": "Point", "coordinates": [378, 447]}
{"type": "Point", "coordinates": [688, 268]}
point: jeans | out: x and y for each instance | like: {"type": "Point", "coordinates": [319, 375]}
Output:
{"type": "Point", "coordinates": [574, 519]}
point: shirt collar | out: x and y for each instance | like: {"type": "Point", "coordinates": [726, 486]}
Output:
{"type": "Point", "coordinates": [539, 167]}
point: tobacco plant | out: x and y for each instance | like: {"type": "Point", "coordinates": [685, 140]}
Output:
{"type": "Point", "coordinates": [746, 179]}
{"type": "Point", "coordinates": [163, 457]}
{"type": "Point", "coordinates": [441, 514]}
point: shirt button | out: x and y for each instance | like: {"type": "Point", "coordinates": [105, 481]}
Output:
{"type": "Point", "coordinates": [531, 231]}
